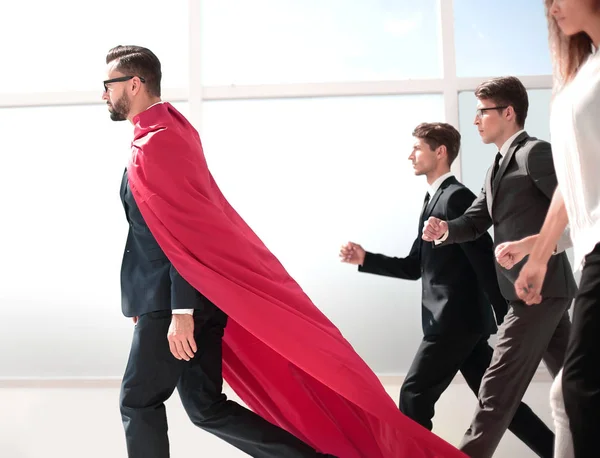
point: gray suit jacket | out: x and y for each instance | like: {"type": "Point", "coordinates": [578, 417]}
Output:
{"type": "Point", "coordinates": [523, 189]}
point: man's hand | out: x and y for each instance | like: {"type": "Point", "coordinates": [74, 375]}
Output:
{"type": "Point", "coordinates": [510, 253]}
{"type": "Point", "coordinates": [135, 319]}
{"type": "Point", "coordinates": [529, 284]}
{"type": "Point", "coordinates": [352, 253]}
{"type": "Point", "coordinates": [434, 229]}
{"type": "Point", "coordinates": [181, 336]}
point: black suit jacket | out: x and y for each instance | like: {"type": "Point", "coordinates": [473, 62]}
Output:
{"type": "Point", "coordinates": [458, 281]}
{"type": "Point", "coordinates": [149, 282]}
{"type": "Point", "coordinates": [517, 206]}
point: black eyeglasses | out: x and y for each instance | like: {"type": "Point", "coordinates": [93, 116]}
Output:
{"type": "Point", "coordinates": [119, 79]}
{"type": "Point", "coordinates": [480, 111]}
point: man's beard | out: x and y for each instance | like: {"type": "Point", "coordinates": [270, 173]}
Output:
{"type": "Point", "coordinates": [120, 109]}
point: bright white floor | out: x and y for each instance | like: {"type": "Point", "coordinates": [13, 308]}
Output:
{"type": "Point", "coordinates": [70, 421]}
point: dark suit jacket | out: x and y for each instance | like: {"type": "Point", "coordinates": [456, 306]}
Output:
{"type": "Point", "coordinates": [459, 281]}
{"type": "Point", "coordinates": [149, 282]}
{"type": "Point", "coordinates": [523, 188]}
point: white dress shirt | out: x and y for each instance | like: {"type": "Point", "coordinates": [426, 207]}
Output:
{"type": "Point", "coordinates": [433, 188]}
{"type": "Point", "coordinates": [575, 134]}
{"type": "Point", "coordinates": [157, 103]}
{"type": "Point", "coordinates": [507, 144]}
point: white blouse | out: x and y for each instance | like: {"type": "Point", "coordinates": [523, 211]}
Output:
{"type": "Point", "coordinates": [575, 136]}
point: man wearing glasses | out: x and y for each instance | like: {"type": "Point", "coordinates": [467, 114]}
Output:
{"type": "Point", "coordinates": [118, 111]}
{"type": "Point", "coordinates": [192, 268]}
{"type": "Point", "coordinates": [457, 319]}
{"type": "Point", "coordinates": [514, 200]}
{"type": "Point", "coordinates": [177, 341]}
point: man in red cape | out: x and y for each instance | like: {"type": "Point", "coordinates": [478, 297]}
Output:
{"type": "Point", "coordinates": [280, 354]}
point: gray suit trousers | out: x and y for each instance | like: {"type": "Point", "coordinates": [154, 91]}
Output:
{"type": "Point", "coordinates": [528, 335]}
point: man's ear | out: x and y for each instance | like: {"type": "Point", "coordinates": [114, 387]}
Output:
{"type": "Point", "coordinates": [441, 152]}
{"type": "Point", "coordinates": [509, 113]}
{"type": "Point", "coordinates": [136, 85]}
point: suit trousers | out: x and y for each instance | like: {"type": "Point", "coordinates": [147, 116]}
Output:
{"type": "Point", "coordinates": [437, 361]}
{"type": "Point", "coordinates": [528, 335]}
{"type": "Point", "coordinates": [153, 373]}
{"type": "Point", "coordinates": [581, 374]}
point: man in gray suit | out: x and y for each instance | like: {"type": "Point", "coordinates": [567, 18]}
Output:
{"type": "Point", "coordinates": [514, 200]}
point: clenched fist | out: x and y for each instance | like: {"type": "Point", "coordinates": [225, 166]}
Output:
{"type": "Point", "coordinates": [352, 253]}
{"type": "Point", "coordinates": [433, 229]}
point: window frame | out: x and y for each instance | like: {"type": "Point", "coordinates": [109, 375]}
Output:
{"type": "Point", "coordinates": [449, 85]}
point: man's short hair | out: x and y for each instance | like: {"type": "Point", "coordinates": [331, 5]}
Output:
{"type": "Point", "coordinates": [140, 62]}
{"type": "Point", "coordinates": [437, 134]}
{"type": "Point", "coordinates": [506, 91]}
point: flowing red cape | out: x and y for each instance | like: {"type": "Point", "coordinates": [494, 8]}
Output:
{"type": "Point", "coordinates": [281, 354]}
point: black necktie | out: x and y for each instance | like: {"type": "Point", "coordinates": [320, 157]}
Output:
{"type": "Point", "coordinates": [425, 202]}
{"type": "Point", "coordinates": [496, 167]}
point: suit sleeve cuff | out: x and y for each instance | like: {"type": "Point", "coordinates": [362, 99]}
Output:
{"type": "Point", "coordinates": [443, 238]}
{"type": "Point", "coordinates": [365, 265]}
{"type": "Point", "coordinates": [182, 311]}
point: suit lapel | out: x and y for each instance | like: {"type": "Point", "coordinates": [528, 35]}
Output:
{"type": "Point", "coordinates": [488, 189]}
{"type": "Point", "coordinates": [123, 185]}
{"type": "Point", "coordinates": [123, 192]}
{"type": "Point", "coordinates": [436, 196]}
{"type": "Point", "coordinates": [429, 208]}
{"type": "Point", "coordinates": [505, 161]}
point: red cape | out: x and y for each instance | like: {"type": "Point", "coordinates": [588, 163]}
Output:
{"type": "Point", "coordinates": [281, 355]}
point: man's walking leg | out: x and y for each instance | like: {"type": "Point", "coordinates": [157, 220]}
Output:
{"type": "Point", "coordinates": [522, 342]}
{"type": "Point", "coordinates": [201, 392]}
{"type": "Point", "coordinates": [150, 379]}
{"type": "Point", "coordinates": [525, 424]}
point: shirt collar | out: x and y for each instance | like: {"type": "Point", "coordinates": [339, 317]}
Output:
{"type": "Point", "coordinates": [508, 143]}
{"type": "Point", "coordinates": [437, 183]}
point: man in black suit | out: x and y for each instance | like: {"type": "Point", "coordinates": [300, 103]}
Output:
{"type": "Point", "coordinates": [177, 341]}
{"type": "Point", "coordinates": [514, 200]}
{"type": "Point", "coordinates": [459, 284]}
{"type": "Point", "coordinates": [160, 302]}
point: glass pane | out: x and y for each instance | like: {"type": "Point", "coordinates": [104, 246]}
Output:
{"type": "Point", "coordinates": [311, 174]}
{"type": "Point", "coordinates": [62, 238]}
{"type": "Point", "coordinates": [476, 157]}
{"type": "Point", "coordinates": [508, 37]}
{"type": "Point", "coordinates": [292, 41]}
{"type": "Point", "coordinates": [62, 44]}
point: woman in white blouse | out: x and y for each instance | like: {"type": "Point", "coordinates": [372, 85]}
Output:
{"type": "Point", "coordinates": [574, 31]}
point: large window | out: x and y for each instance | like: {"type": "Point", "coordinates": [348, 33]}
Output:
{"type": "Point", "coordinates": [286, 163]}
{"type": "Point", "coordinates": [305, 108]}
{"type": "Point", "coordinates": [63, 232]}
{"type": "Point", "coordinates": [508, 37]}
{"type": "Point", "coordinates": [61, 45]}
{"type": "Point", "coordinates": [310, 174]}
{"type": "Point", "coordinates": [291, 41]}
